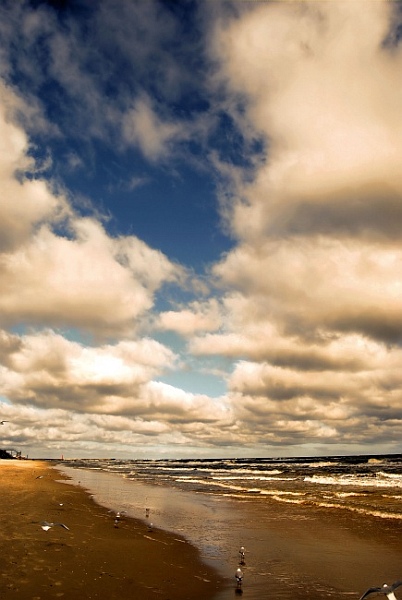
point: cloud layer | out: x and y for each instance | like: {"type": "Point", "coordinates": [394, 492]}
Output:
{"type": "Point", "coordinates": [315, 311]}
{"type": "Point", "coordinates": [302, 318]}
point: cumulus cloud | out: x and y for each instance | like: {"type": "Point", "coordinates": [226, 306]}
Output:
{"type": "Point", "coordinates": [49, 371]}
{"type": "Point", "coordinates": [26, 203]}
{"type": "Point", "coordinates": [196, 317]}
{"type": "Point", "coordinates": [312, 284]}
{"type": "Point", "coordinates": [326, 97]}
{"type": "Point", "coordinates": [61, 269]}
{"type": "Point", "coordinates": [108, 393]}
{"type": "Point", "coordinates": [313, 313]}
{"type": "Point", "coordinates": [74, 281]}
{"type": "Point", "coordinates": [75, 433]}
{"type": "Point", "coordinates": [310, 307]}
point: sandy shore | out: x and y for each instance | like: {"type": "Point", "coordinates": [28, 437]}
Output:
{"type": "Point", "coordinates": [93, 559]}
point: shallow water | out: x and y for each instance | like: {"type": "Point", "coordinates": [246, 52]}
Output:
{"type": "Point", "coordinates": [368, 485]}
{"type": "Point", "coordinates": [292, 551]}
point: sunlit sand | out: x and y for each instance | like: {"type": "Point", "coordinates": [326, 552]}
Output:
{"type": "Point", "coordinates": [60, 543]}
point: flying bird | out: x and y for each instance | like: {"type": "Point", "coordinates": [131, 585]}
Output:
{"type": "Point", "coordinates": [46, 526]}
{"type": "Point", "coordinates": [387, 590]}
{"type": "Point", "coordinates": [2, 422]}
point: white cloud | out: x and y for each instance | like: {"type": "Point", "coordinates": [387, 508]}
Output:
{"type": "Point", "coordinates": [76, 280]}
{"type": "Point", "coordinates": [310, 285]}
{"type": "Point", "coordinates": [81, 277]}
{"type": "Point", "coordinates": [197, 317]}
{"type": "Point", "coordinates": [25, 203]}
{"type": "Point", "coordinates": [325, 92]}
{"type": "Point", "coordinates": [313, 302]}
{"type": "Point", "coordinates": [48, 371]}
{"type": "Point", "coordinates": [91, 396]}
{"type": "Point", "coordinates": [310, 309]}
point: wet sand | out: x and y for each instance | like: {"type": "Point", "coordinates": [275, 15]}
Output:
{"type": "Point", "coordinates": [319, 553]}
{"type": "Point", "coordinates": [93, 559]}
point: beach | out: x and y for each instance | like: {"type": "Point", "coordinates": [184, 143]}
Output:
{"type": "Point", "coordinates": [92, 558]}
{"type": "Point", "coordinates": [292, 551]}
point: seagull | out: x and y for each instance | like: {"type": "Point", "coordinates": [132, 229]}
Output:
{"type": "Point", "coordinates": [239, 576]}
{"type": "Point", "coordinates": [387, 590]}
{"type": "Point", "coordinates": [46, 526]}
{"type": "Point", "coordinates": [118, 516]}
{"type": "Point", "coordinates": [2, 422]}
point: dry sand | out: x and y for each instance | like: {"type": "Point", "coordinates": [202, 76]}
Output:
{"type": "Point", "coordinates": [93, 559]}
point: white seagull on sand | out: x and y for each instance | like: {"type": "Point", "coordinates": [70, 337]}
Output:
{"type": "Point", "coordinates": [46, 526]}
{"type": "Point", "coordinates": [387, 590]}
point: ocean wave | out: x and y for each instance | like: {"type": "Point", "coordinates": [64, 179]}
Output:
{"type": "Point", "coordinates": [334, 505]}
{"type": "Point", "coordinates": [353, 480]}
{"type": "Point", "coordinates": [365, 485]}
{"type": "Point", "coordinates": [396, 476]}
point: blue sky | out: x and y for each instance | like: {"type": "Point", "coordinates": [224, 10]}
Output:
{"type": "Point", "coordinates": [200, 227]}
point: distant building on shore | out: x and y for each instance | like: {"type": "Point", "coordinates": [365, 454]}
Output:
{"type": "Point", "coordinates": [7, 454]}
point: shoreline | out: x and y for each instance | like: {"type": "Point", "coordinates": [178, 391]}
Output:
{"type": "Point", "coordinates": [92, 558]}
{"type": "Point", "coordinates": [325, 551]}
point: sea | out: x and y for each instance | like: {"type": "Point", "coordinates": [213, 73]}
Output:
{"type": "Point", "coordinates": [322, 527]}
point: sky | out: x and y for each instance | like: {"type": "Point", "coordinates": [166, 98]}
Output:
{"type": "Point", "coordinates": [200, 228]}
